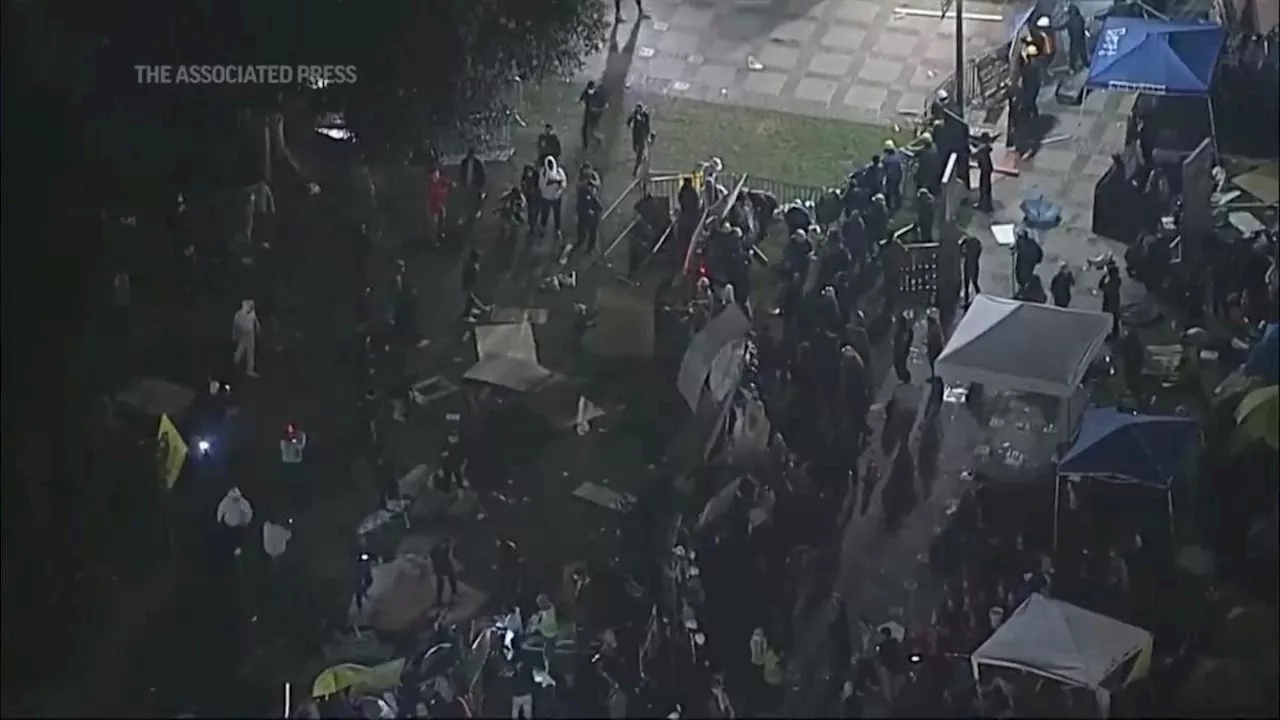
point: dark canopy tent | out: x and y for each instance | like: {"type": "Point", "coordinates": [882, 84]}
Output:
{"type": "Point", "coordinates": [1157, 57]}
{"type": "Point", "coordinates": [1115, 446]}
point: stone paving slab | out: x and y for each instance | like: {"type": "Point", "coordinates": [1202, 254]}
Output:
{"type": "Point", "coordinates": [851, 59]}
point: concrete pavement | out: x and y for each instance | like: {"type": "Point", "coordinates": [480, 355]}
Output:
{"type": "Point", "coordinates": [887, 577]}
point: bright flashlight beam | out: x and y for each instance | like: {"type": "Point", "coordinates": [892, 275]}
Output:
{"type": "Point", "coordinates": [203, 446]}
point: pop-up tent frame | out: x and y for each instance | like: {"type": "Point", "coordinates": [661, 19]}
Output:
{"type": "Point", "coordinates": [1158, 57]}
{"type": "Point", "coordinates": [1068, 644]}
{"type": "Point", "coordinates": [1026, 347]}
{"type": "Point", "coordinates": [1128, 448]}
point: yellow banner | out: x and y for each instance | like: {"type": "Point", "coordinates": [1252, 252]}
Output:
{"type": "Point", "coordinates": [173, 450]}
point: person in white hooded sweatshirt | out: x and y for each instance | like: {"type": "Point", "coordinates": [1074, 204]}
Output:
{"type": "Point", "coordinates": [551, 185]}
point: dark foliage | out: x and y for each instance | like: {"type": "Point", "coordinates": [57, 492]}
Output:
{"type": "Point", "coordinates": [423, 67]}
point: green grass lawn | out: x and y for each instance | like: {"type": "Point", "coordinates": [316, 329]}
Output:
{"type": "Point", "coordinates": [779, 146]}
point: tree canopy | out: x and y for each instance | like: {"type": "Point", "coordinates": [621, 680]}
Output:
{"type": "Point", "coordinates": [422, 67]}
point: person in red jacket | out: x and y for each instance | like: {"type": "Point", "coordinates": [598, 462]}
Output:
{"type": "Point", "coordinates": [438, 189]}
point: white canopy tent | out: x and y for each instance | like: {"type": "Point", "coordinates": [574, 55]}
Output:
{"type": "Point", "coordinates": [1022, 346]}
{"type": "Point", "coordinates": [1026, 347]}
{"type": "Point", "coordinates": [1068, 644]}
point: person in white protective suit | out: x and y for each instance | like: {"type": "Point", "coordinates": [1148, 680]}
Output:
{"type": "Point", "coordinates": [244, 331]}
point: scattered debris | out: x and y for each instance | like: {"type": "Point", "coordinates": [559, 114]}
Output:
{"type": "Point", "coordinates": [753, 64]}
{"type": "Point", "coordinates": [644, 52]}
{"type": "Point", "coordinates": [536, 316]}
{"type": "Point", "coordinates": [425, 392]}
{"type": "Point", "coordinates": [938, 14]}
{"type": "Point", "coordinates": [512, 340]}
{"type": "Point", "coordinates": [603, 497]}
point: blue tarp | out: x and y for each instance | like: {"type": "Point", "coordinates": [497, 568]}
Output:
{"type": "Point", "coordinates": [1160, 57]}
{"type": "Point", "coordinates": [1264, 358]}
{"type": "Point", "coordinates": [1146, 449]}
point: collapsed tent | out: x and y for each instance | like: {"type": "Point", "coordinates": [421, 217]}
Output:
{"type": "Point", "coordinates": [714, 358]}
{"type": "Point", "coordinates": [1023, 347]}
{"type": "Point", "coordinates": [1068, 644]}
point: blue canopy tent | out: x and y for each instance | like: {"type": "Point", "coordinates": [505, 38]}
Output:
{"type": "Point", "coordinates": [1157, 57]}
{"type": "Point", "coordinates": [1122, 447]}
{"type": "Point", "coordinates": [1264, 357]}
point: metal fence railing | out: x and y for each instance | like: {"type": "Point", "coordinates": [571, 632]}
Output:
{"type": "Point", "coordinates": [492, 134]}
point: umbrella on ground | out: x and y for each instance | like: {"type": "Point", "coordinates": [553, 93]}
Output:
{"type": "Point", "coordinates": [1258, 417]}
{"type": "Point", "coordinates": [1040, 213]}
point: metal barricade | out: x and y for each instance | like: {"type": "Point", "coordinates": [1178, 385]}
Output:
{"type": "Point", "coordinates": [786, 192]}
{"type": "Point", "coordinates": [490, 136]}
{"type": "Point", "coordinates": [986, 78]}
{"type": "Point", "coordinates": [491, 133]}
{"type": "Point", "coordinates": [918, 282]}
{"type": "Point", "coordinates": [620, 216]}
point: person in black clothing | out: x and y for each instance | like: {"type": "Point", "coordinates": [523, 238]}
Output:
{"type": "Point", "coordinates": [1109, 287]}
{"type": "Point", "coordinates": [473, 178]}
{"type": "Point", "coordinates": [928, 166]}
{"type": "Point", "coordinates": [873, 176]}
{"type": "Point", "coordinates": [445, 567]}
{"type": "Point", "coordinates": [1030, 78]}
{"type": "Point", "coordinates": [903, 336]}
{"type": "Point", "coordinates": [548, 145]}
{"type": "Point", "coordinates": [593, 104]}
{"type": "Point", "coordinates": [1032, 291]}
{"type": "Point", "coordinates": [893, 172]}
{"type": "Point", "coordinates": [405, 306]}
{"type": "Point", "coordinates": [641, 125]}
{"type": "Point", "coordinates": [876, 222]}
{"type": "Point", "coordinates": [1077, 46]}
{"type": "Point", "coordinates": [1027, 254]}
{"type": "Point", "coordinates": [529, 188]}
{"type": "Point", "coordinates": [889, 652]}
{"type": "Point", "coordinates": [970, 265]}
{"type": "Point", "coordinates": [453, 463]}
{"type": "Point", "coordinates": [893, 260]}
{"type": "Point", "coordinates": [617, 10]}
{"type": "Point", "coordinates": [1013, 112]}
{"type": "Point", "coordinates": [841, 637]}
{"type": "Point", "coordinates": [986, 168]}
{"type": "Point", "coordinates": [1062, 283]}
{"type": "Point", "coordinates": [924, 215]}
{"type": "Point", "coordinates": [470, 275]}
{"type": "Point", "coordinates": [688, 199]}
{"type": "Point", "coordinates": [589, 211]}
{"type": "Point", "coordinates": [523, 687]}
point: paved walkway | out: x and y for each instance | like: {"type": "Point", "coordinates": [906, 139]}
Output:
{"type": "Point", "coordinates": [851, 59]}
{"type": "Point", "coordinates": [887, 577]}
